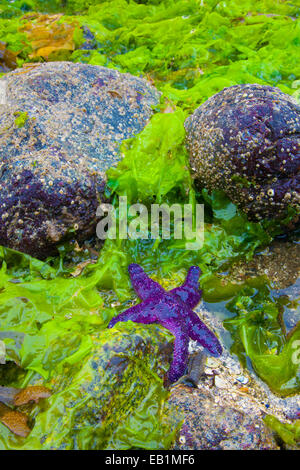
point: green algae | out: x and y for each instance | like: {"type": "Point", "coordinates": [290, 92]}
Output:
{"type": "Point", "coordinates": [257, 333]}
{"type": "Point", "coordinates": [107, 393]}
{"type": "Point", "coordinates": [288, 432]}
{"type": "Point", "coordinates": [191, 50]}
{"type": "Point", "coordinates": [54, 328]}
{"type": "Point", "coordinates": [21, 118]}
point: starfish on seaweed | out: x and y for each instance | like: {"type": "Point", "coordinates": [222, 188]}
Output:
{"type": "Point", "coordinates": [173, 310]}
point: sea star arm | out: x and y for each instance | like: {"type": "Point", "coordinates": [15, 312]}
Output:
{"type": "Point", "coordinates": [189, 292]}
{"type": "Point", "coordinates": [142, 284]}
{"type": "Point", "coordinates": [140, 313]}
{"type": "Point", "coordinates": [180, 354]}
{"type": "Point", "coordinates": [198, 331]}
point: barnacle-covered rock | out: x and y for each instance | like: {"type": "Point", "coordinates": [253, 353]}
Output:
{"type": "Point", "coordinates": [86, 110]}
{"type": "Point", "coordinates": [114, 398]}
{"type": "Point", "coordinates": [46, 196]}
{"type": "Point", "coordinates": [245, 141]}
{"type": "Point", "coordinates": [60, 130]}
{"type": "Point", "coordinates": [212, 424]}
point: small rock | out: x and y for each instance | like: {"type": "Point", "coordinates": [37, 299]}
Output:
{"type": "Point", "coordinates": [220, 382]}
{"type": "Point", "coordinates": [242, 379]}
{"type": "Point", "coordinates": [212, 362]}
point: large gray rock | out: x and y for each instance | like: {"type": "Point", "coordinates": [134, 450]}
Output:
{"type": "Point", "coordinates": [245, 141]}
{"type": "Point", "coordinates": [46, 197]}
{"type": "Point", "coordinates": [213, 426]}
{"type": "Point", "coordinates": [60, 130]}
{"type": "Point", "coordinates": [101, 401]}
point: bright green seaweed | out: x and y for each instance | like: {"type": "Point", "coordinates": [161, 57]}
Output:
{"type": "Point", "coordinates": [49, 319]}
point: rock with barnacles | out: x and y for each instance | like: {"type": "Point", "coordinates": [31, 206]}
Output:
{"type": "Point", "coordinates": [60, 130]}
{"type": "Point", "coordinates": [46, 197]}
{"type": "Point", "coordinates": [112, 398]}
{"type": "Point", "coordinates": [245, 140]}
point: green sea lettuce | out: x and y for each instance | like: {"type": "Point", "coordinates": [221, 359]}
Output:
{"type": "Point", "coordinates": [257, 332]}
{"type": "Point", "coordinates": [288, 432]}
{"type": "Point", "coordinates": [107, 389]}
{"type": "Point", "coordinates": [192, 51]}
{"type": "Point", "coordinates": [49, 317]}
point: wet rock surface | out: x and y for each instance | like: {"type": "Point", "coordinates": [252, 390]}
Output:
{"type": "Point", "coordinates": [60, 130]}
{"type": "Point", "coordinates": [46, 197]}
{"type": "Point", "coordinates": [286, 408]}
{"type": "Point", "coordinates": [225, 408]}
{"type": "Point", "coordinates": [224, 404]}
{"type": "Point", "coordinates": [280, 263]}
{"type": "Point", "coordinates": [114, 381]}
{"type": "Point", "coordinates": [216, 426]}
{"type": "Point", "coordinates": [245, 140]}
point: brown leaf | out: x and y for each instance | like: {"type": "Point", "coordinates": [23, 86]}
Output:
{"type": "Point", "coordinates": [8, 59]}
{"type": "Point", "coordinates": [48, 36]}
{"type": "Point", "coordinates": [14, 420]}
{"type": "Point", "coordinates": [32, 393]}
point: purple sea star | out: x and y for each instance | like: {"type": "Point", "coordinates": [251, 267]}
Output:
{"type": "Point", "coordinates": [173, 310]}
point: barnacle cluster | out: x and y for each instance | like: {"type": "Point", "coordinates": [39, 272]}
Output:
{"type": "Point", "coordinates": [60, 130]}
{"type": "Point", "coordinates": [245, 141]}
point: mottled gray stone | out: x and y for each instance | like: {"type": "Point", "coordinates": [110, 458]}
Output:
{"type": "Point", "coordinates": [46, 197]}
{"type": "Point", "coordinates": [213, 426]}
{"type": "Point", "coordinates": [83, 109]}
{"type": "Point", "coordinates": [245, 140]}
{"type": "Point", "coordinates": [60, 130]}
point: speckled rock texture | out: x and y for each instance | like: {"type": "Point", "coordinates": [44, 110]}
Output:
{"type": "Point", "coordinates": [60, 130]}
{"type": "Point", "coordinates": [117, 376]}
{"type": "Point", "coordinates": [281, 263]}
{"type": "Point", "coordinates": [46, 197]}
{"type": "Point", "coordinates": [245, 140]}
{"type": "Point", "coordinates": [222, 404]}
{"type": "Point", "coordinates": [213, 426]}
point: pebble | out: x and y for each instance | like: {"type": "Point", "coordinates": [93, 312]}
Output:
{"type": "Point", "coordinates": [220, 382]}
{"type": "Point", "coordinates": [244, 380]}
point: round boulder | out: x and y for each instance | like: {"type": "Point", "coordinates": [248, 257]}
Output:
{"type": "Point", "coordinates": [213, 425]}
{"type": "Point", "coordinates": [46, 197]}
{"type": "Point", "coordinates": [245, 141]}
{"type": "Point", "coordinates": [113, 398]}
{"type": "Point", "coordinates": [60, 129]}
